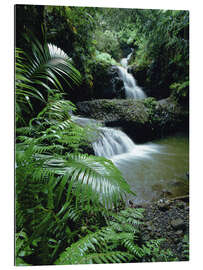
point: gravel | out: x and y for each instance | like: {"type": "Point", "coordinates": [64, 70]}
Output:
{"type": "Point", "coordinates": [170, 222]}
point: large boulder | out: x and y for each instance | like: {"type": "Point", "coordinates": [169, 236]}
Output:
{"type": "Point", "coordinates": [140, 119]}
{"type": "Point", "coordinates": [106, 82]}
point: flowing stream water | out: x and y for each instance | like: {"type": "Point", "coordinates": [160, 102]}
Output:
{"type": "Point", "coordinates": [153, 170]}
{"type": "Point", "coordinates": [156, 170]}
{"type": "Point", "coordinates": [132, 90]}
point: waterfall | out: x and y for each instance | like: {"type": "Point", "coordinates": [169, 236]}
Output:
{"type": "Point", "coordinates": [116, 145]}
{"type": "Point", "coordinates": [113, 143]}
{"type": "Point", "coordinates": [124, 61]}
{"type": "Point", "coordinates": [132, 90]}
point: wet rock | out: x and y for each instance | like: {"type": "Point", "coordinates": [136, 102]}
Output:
{"type": "Point", "coordinates": [157, 224]}
{"type": "Point", "coordinates": [130, 203]}
{"type": "Point", "coordinates": [151, 228]}
{"type": "Point", "coordinates": [179, 232]}
{"type": "Point", "coordinates": [163, 205]}
{"type": "Point", "coordinates": [146, 237]}
{"type": "Point", "coordinates": [140, 119]}
{"type": "Point", "coordinates": [176, 183]}
{"type": "Point", "coordinates": [178, 224]}
{"type": "Point", "coordinates": [88, 149]}
{"type": "Point", "coordinates": [180, 204]}
{"type": "Point", "coordinates": [176, 240]}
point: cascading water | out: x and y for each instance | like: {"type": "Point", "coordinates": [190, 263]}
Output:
{"type": "Point", "coordinates": [112, 142]}
{"type": "Point", "coordinates": [143, 166]}
{"type": "Point", "coordinates": [115, 144]}
{"type": "Point", "coordinates": [132, 90]}
{"type": "Point", "coordinates": [148, 168]}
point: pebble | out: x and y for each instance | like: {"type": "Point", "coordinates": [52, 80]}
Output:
{"type": "Point", "coordinates": [163, 204]}
{"type": "Point", "coordinates": [169, 221]}
{"type": "Point", "coordinates": [179, 232]}
{"type": "Point", "coordinates": [177, 224]}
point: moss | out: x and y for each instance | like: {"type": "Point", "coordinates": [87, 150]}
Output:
{"type": "Point", "coordinates": [141, 119]}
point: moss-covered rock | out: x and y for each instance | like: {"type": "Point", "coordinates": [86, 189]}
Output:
{"type": "Point", "coordinates": [140, 119]}
{"type": "Point", "coordinates": [106, 81]}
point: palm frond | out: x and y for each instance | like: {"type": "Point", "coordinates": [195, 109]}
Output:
{"type": "Point", "coordinates": [96, 176]}
{"type": "Point", "coordinates": [49, 63]}
{"type": "Point", "coordinates": [44, 70]}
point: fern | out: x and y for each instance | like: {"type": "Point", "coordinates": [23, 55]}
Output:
{"type": "Point", "coordinates": [108, 257]}
{"type": "Point", "coordinates": [186, 250]}
{"type": "Point", "coordinates": [86, 249]}
{"type": "Point", "coordinates": [133, 248]}
{"type": "Point", "coordinates": [105, 245]}
{"type": "Point", "coordinates": [59, 190]}
{"type": "Point", "coordinates": [78, 249]}
{"type": "Point", "coordinates": [22, 248]}
{"type": "Point", "coordinates": [39, 73]}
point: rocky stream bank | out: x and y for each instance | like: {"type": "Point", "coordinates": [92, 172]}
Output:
{"type": "Point", "coordinates": [168, 219]}
{"type": "Point", "coordinates": [142, 120]}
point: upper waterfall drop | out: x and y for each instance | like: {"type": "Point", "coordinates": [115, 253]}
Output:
{"type": "Point", "coordinates": [132, 90]}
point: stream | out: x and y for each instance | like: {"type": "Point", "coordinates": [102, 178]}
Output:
{"type": "Point", "coordinates": [154, 170]}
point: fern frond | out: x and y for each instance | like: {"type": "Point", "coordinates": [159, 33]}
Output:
{"type": "Point", "coordinates": [78, 249]}
{"type": "Point", "coordinates": [123, 227]}
{"type": "Point", "coordinates": [108, 257]}
{"type": "Point", "coordinates": [127, 220]}
{"type": "Point", "coordinates": [100, 179]}
{"type": "Point", "coordinates": [58, 110]}
{"type": "Point", "coordinates": [133, 248]}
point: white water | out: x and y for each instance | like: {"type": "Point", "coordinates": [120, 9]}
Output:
{"type": "Point", "coordinates": [148, 168]}
{"type": "Point", "coordinates": [116, 145]}
{"type": "Point", "coordinates": [112, 142]}
{"type": "Point", "coordinates": [84, 121]}
{"type": "Point", "coordinates": [132, 90]}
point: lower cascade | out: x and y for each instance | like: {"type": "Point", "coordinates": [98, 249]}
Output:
{"type": "Point", "coordinates": [112, 142]}
{"type": "Point", "coordinates": [132, 90]}
{"type": "Point", "coordinates": [149, 168]}
{"type": "Point", "coordinates": [115, 144]}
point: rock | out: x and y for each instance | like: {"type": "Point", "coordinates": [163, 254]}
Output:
{"type": "Point", "coordinates": [179, 232]}
{"type": "Point", "coordinates": [140, 119]}
{"type": "Point", "coordinates": [146, 237]}
{"type": "Point", "coordinates": [175, 183]}
{"type": "Point", "coordinates": [163, 205]}
{"type": "Point", "coordinates": [176, 240]}
{"type": "Point", "coordinates": [178, 224]}
{"type": "Point", "coordinates": [180, 204]}
{"type": "Point", "coordinates": [130, 203]}
{"type": "Point", "coordinates": [88, 149]}
{"type": "Point", "coordinates": [151, 228]}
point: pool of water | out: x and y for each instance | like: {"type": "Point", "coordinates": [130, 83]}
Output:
{"type": "Point", "coordinates": [158, 169]}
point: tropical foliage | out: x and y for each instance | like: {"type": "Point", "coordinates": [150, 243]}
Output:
{"type": "Point", "coordinates": [116, 243]}
{"type": "Point", "coordinates": [160, 39]}
{"type": "Point", "coordinates": [56, 186]}
{"type": "Point", "coordinates": [39, 74]}
{"type": "Point", "coordinates": [70, 206]}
